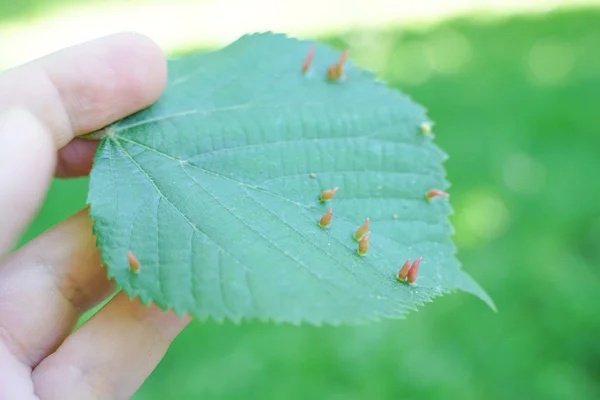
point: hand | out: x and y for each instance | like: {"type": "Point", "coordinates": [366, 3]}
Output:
{"type": "Point", "coordinates": [47, 285]}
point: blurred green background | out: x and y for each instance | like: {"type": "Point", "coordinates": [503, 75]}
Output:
{"type": "Point", "coordinates": [514, 98]}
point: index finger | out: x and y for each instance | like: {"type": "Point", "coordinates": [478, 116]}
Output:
{"type": "Point", "coordinates": [87, 86]}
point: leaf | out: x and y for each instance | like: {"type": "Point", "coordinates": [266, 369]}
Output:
{"type": "Point", "coordinates": [211, 190]}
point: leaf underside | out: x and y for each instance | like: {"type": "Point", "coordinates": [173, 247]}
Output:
{"type": "Point", "coordinates": [215, 189]}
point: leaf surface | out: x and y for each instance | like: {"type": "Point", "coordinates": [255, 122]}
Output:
{"type": "Point", "coordinates": [215, 189]}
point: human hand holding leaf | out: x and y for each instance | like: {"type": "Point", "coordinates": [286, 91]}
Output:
{"type": "Point", "coordinates": [216, 190]}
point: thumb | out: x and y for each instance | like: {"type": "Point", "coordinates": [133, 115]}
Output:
{"type": "Point", "coordinates": [27, 161]}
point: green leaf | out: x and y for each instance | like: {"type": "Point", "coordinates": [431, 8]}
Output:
{"type": "Point", "coordinates": [211, 189]}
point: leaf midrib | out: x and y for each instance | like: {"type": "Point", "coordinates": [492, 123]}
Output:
{"type": "Point", "coordinates": [198, 111]}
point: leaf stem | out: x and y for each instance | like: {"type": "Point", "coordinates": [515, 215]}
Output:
{"type": "Point", "coordinates": [95, 135]}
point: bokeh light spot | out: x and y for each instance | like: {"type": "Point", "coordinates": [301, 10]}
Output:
{"type": "Point", "coordinates": [521, 173]}
{"type": "Point", "coordinates": [413, 63]}
{"type": "Point", "coordinates": [370, 50]}
{"type": "Point", "coordinates": [449, 50]}
{"type": "Point", "coordinates": [550, 62]}
{"type": "Point", "coordinates": [480, 216]}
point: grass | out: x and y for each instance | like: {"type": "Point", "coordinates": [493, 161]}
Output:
{"type": "Point", "coordinates": [514, 101]}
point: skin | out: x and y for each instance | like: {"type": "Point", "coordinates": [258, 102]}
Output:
{"type": "Point", "coordinates": [50, 282]}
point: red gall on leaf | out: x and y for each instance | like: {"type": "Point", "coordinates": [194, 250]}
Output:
{"type": "Point", "coordinates": [336, 71]}
{"type": "Point", "coordinates": [341, 61]}
{"type": "Point", "coordinates": [134, 264]}
{"type": "Point", "coordinates": [414, 269]}
{"type": "Point", "coordinates": [434, 193]}
{"type": "Point", "coordinates": [403, 273]}
{"type": "Point", "coordinates": [363, 245]}
{"type": "Point", "coordinates": [332, 73]}
{"type": "Point", "coordinates": [326, 218]}
{"type": "Point", "coordinates": [328, 194]}
{"type": "Point", "coordinates": [362, 229]}
{"type": "Point", "coordinates": [308, 59]}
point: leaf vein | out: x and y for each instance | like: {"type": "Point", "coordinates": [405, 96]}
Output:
{"type": "Point", "coordinates": [313, 244]}
{"type": "Point", "coordinates": [347, 172]}
{"type": "Point", "coordinates": [162, 196]}
{"type": "Point", "coordinates": [261, 235]}
{"type": "Point", "coordinates": [158, 268]}
{"type": "Point", "coordinates": [112, 131]}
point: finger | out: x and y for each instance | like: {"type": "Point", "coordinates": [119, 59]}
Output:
{"type": "Point", "coordinates": [88, 86]}
{"type": "Point", "coordinates": [79, 90]}
{"type": "Point", "coordinates": [111, 354]}
{"type": "Point", "coordinates": [76, 158]}
{"type": "Point", "coordinates": [27, 161]}
{"type": "Point", "coordinates": [57, 276]}
{"type": "Point", "coordinates": [15, 378]}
